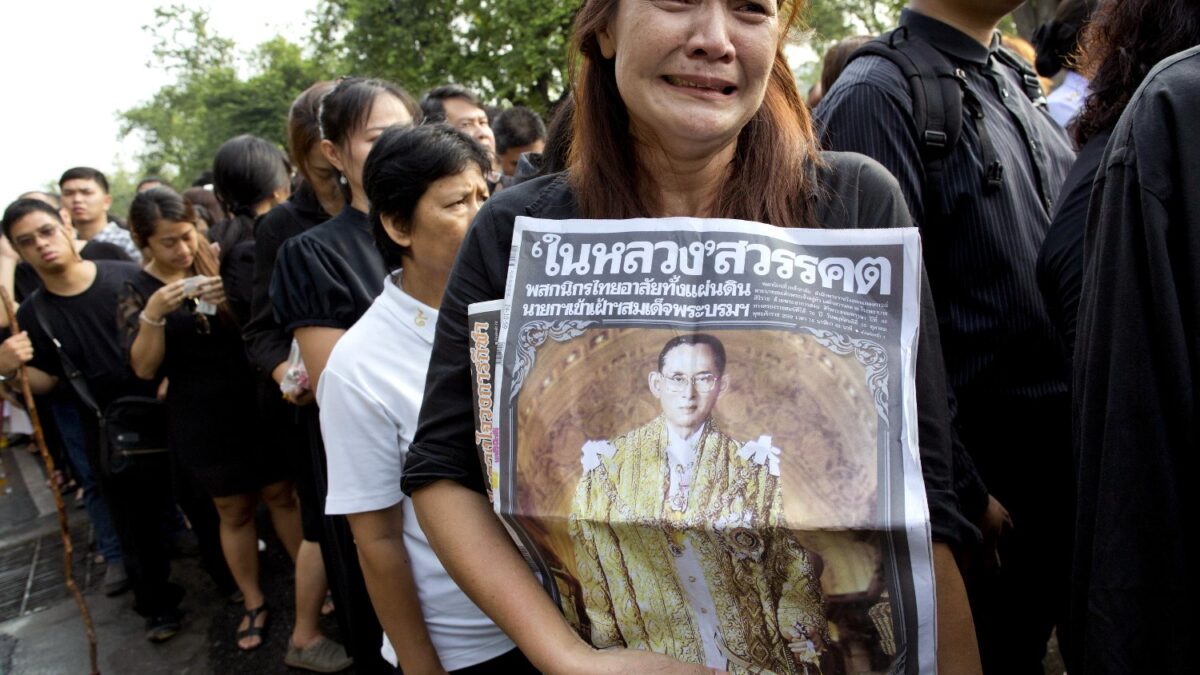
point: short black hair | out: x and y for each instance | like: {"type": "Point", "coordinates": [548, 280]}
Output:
{"type": "Point", "coordinates": [401, 166]}
{"type": "Point", "coordinates": [1057, 40]}
{"type": "Point", "coordinates": [21, 208]}
{"type": "Point", "coordinates": [516, 127]}
{"type": "Point", "coordinates": [711, 341]}
{"type": "Point", "coordinates": [151, 179]}
{"type": "Point", "coordinates": [205, 178]}
{"type": "Point", "coordinates": [432, 103]}
{"type": "Point", "coordinates": [84, 173]}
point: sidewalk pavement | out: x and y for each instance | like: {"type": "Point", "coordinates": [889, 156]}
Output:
{"type": "Point", "coordinates": [41, 631]}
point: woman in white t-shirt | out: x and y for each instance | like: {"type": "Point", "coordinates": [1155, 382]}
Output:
{"type": "Point", "coordinates": [425, 185]}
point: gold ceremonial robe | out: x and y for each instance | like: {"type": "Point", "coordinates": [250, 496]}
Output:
{"type": "Point", "coordinates": [627, 536]}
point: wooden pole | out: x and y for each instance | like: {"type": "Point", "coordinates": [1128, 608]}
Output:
{"type": "Point", "coordinates": [64, 527]}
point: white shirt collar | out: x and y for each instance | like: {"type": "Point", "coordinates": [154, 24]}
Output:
{"type": "Point", "coordinates": [410, 312]}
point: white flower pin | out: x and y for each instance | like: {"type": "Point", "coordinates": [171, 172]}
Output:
{"type": "Point", "coordinates": [762, 453]}
{"type": "Point", "coordinates": [592, 451]}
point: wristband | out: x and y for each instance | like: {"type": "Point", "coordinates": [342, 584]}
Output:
{"type": "Point", "coordinates": [149, 322]}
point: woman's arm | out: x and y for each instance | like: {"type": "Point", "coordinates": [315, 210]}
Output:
{"type": "Point", "coordinates": [148, 350]}
{"type": "Point", "coordinates": [481, 558]}
{"type": "Point", "coordinates": [957, 650]}
{"type": "Point", "coordinates": [316, 344]}
{"type": "Point", "coordinates": [150, 346]}
{"type": "Point", "coordinates": [379, 536]}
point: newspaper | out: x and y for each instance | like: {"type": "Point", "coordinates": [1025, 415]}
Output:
{"type": "Point", "coordinates": [702, 436]}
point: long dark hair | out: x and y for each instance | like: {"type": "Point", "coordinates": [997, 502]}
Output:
{"type": "Point", "coordinates": [401, 166]}
{"type": "Point", "coordinates": [158, 204]}
{"type": "Point", "coordinates": [304, 127]}
{"type": "Point", "coordinates": [346, 107]}
{"type": "Point", "coordinates": [246, 171]}
{"type": "Point", "coordinates": [1122, 43]}
{"type": "Point", "coordinates": [770, 177]}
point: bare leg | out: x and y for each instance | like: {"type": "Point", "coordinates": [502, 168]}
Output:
{"type": "Point", "coordinates": [285, 514]}
{"type": "Point", "coordinates": [311, 586]}
{"type": "Point", "coordinates": [239, 541]}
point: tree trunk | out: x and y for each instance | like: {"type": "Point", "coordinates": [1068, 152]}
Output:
{"type": "Point", "coordinates": [1033, 14]}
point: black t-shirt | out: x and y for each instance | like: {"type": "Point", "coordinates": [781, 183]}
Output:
{"type": "Point", "coordinates": [89, 328]}
{"type": "Point", "coordinates": [859, 193]}
{"type": "Point", "coordinates": [329, 275]}
{"type": "Point", "coordinates": [26, 281]}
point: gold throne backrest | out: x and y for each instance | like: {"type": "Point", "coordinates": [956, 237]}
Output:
{"type": "Point", "coordinates": [815, 405]}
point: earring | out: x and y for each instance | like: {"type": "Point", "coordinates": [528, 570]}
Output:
{"type": "Point", "coordinates": [342, 179]}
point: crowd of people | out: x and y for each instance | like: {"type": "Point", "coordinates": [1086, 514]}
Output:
{"type": "Point", "coordinates": [297, 325]}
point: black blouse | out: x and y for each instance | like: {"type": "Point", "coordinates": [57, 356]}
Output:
{"type": "Point", "coordinates": [860, 194]}
{"type": "Point", "coordinates": [1060, 262]}
{"type": "Point", "coordinates": [328, 276]}
{"type": "Point", "coordinates": [267, 343]}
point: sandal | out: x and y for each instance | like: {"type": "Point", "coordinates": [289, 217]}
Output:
{"type": "Point", "coordinates": [253, 629]}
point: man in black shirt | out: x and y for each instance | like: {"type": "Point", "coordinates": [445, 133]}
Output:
{"type": "Point", "coordinates": [78, 304]}
{"type": "Point", "coordinates": [981, 232]}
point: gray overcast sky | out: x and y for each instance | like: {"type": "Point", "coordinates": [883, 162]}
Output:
{"type": "Point", "coordinates": [68, 67]}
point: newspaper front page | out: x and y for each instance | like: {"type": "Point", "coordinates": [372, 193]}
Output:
{"type": "Point", "coordinates": [702, 436]}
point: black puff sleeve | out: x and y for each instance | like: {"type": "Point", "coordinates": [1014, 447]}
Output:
{"type": "Point", "coordinates": [312, 286]}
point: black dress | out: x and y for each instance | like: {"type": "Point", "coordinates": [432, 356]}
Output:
{"type": "Point", "coordinates": [268, 345]}
{"type": "Point", "coordinates": [327, 277]}
{"type": "Point", "coordinates": [213, 423]}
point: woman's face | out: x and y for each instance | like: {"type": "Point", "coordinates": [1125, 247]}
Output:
{"type": "Point", "coordinates": [440, 220]}
{"type": "Point", "coordinates": [174, 244]}
{"type": "Point", "coordinates": [386, 111]}
{"type": "Point", "coordinates": [691, 72]}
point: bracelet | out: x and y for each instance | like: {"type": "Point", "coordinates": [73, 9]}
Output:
{"type": "Point", "coordinates": [146, 320]}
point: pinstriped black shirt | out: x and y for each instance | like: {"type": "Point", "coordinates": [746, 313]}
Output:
{"type": "Point", "coordinates": [981, 246]}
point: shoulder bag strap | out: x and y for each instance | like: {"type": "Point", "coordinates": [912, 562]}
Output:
{"type": "Point", "coordinates": [73, 374]}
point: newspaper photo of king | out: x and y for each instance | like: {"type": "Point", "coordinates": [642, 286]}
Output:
{"type": "Point", "coordinates": [680, 539]}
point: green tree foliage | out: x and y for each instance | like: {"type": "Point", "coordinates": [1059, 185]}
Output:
{"type": "Point", "coordinates": [832, 20]}
{"type": "Point", "coordinates": [216, 94]}
{"type": "Point", "coordinates": [510, 51]}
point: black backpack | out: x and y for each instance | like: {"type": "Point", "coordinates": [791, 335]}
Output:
{"type": "Point", "coordinates": [941, 95]}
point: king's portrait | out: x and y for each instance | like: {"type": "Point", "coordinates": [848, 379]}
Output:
{"type": "Point", "coordinates": [680, 542]}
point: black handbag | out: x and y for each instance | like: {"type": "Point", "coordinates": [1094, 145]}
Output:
{"type": "Point", "coordinates": [132, 428]}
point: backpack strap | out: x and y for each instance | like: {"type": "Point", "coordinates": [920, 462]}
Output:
{"type": "Point", "coordinates": [934, 86]}
{"type": "Point", "coordinates": [1030, 83]}
{"type": "Point", "coordinates": [942, 98]}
